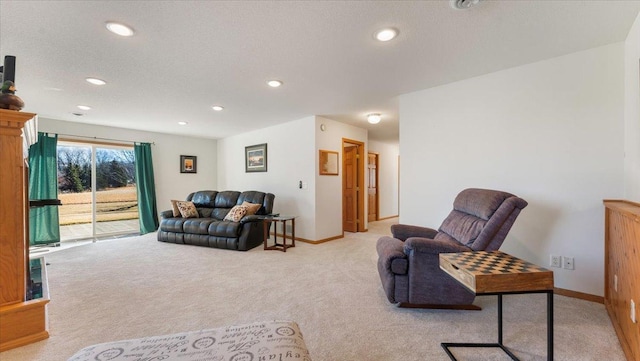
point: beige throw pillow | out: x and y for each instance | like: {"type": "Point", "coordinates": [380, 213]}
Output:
{"type": "Point", "coordinates": [236, 213]}
{"type": "Point", "coordinates": [175, 209]}
{"type": "Point", "coordinates": [252, 208]}
{"type": "Point", "coordinates": [187, 209]}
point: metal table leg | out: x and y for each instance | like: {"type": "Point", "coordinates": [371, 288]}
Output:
{"type": "Point", "coordinates": [499, 344]}
{"type": "Point", "coordinates": [550, 325]}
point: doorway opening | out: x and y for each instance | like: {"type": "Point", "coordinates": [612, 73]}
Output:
{"type": "Point", "coordinates": [353, 211]}
{"type": "Point", "coordinates": [373, 202]}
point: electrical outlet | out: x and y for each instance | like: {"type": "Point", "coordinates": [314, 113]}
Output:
{"type": "Point", "coordinates": [633, 312]}
{"type": "Point", "coordinates": [615, 283]}
{"type": "Point", "coordinates": [554, 261]}
{"type": "Point", "coordinates": [567, 263]}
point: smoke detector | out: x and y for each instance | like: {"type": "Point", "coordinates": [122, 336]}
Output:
{"type": "Point", "coordinates": [463, 4]}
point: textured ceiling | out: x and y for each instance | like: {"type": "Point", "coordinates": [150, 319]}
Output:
{"type": "Point", "coordinates": [189, 55]}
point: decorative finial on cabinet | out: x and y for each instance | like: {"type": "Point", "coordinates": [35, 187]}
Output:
{"type": "Point", "coordinates": [7, 99]}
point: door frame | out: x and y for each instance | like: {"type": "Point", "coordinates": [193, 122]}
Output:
{"type": "Point", "coordinates": [360, 194]}
{"type": "Point", "coordinates": [377, 183]}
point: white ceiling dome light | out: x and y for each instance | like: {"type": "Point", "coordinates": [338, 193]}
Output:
{"type": "Point", "coordinates": [386, 34]}
{"type": "Point", "coordinates": [463, 4]}
{"type": "Point", "coordinates": [96, 81]}
{"type": "Point", "coordinates": [119, 29]}
{"type": "Point", "coordinates": [374, 118]}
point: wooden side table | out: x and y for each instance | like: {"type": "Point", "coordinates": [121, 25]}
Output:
{"type": "Point", "coordinates": [498, 273]}
{"type": "Point", "coordinates": [267, 220]}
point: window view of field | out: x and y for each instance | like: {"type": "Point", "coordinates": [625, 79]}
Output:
{"type": "Point", "coordinates": [111, 205]}
{"type": "Point", "coordinates": [116, 208]}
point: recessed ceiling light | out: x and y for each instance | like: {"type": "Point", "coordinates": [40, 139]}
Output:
{"type": "Point", "coordinates": [84, 107]}
{"type": "Point", "coordinates": [119, 29]}
{"type": "Point", "coordinates": [386, 34]}
{"type": "Point", "coordinates": [96, 81]}
{"type": "Point", "coordinates": [374, 118]}
{"type": "Point", "coordinates": [463, 4]}
{"type": "Point", "coordinates": [182, 123]}
{"type": "Point", "coordinates": [274, 83]}
{"type": "Point", "coordinates": [217, 108]}
{"type": "Point", "coordinates": [78, 114]}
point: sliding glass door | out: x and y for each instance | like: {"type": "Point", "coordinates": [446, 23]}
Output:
{"type": "Point", "coordinates": [96, 184]}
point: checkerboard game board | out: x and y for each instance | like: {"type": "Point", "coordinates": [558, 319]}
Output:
{"type": "Point", "coordinates": [486, 272]}
{"type": "Point", "coordinates": [496, 262]}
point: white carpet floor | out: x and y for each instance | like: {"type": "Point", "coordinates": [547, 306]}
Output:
{"type": "Point", "coordinates": [137, 287]}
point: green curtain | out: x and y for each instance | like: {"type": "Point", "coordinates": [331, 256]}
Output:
{"type": "Point", "coordinates": [147, 210]}
{"type": "Point", "coordinates": [44, 226]}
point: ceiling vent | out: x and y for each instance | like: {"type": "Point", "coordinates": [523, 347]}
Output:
{"type": "Point", "coordinates": [463, 4]}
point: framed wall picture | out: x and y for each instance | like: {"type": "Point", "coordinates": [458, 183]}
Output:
{"type": "Point", "coordinates": [328, 162]}
{"type": "Point", "coordinates": [255, 158]}
{"type": "Point", "coordinates": [188, 164]}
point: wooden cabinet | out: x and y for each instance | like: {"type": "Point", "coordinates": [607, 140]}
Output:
{"type": "Point", "coordinates": [21, 321]}
{"type": "Point", "coordinates": [622, 272]}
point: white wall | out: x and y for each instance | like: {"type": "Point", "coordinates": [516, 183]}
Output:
{"type": "Point", "coordinates": [550, 132]}
{"type": "Point", "coordinates": [292, 156]}
{"type": "Point", "coordinates": [388, 192]}
{"type": "Point", "coordinates": [170, 183]}
{"type": "Point", "coordinates": [290, 149]}
{"type": "Point", "coordinates": [329, 188]}
{"type": "Point", "coordinates": [632, 114]}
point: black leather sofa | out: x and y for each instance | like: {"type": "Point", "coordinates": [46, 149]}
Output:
{"type": "Point", "coordinates": [210, 229]}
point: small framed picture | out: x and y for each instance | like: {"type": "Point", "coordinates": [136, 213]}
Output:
{"type": "Point", "coordinates": [328, 162]}
{"type": "Point", "coordinates": [188, 164]}
{"type": "Point", "coordinates": [255, 157]}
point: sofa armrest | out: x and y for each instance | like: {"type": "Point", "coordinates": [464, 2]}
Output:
{"type": "Point", "coordinates": [251, 218]}
{"type": "Point", "coordinates": [432, 246]}
{"type": "Point", "coordinates": [391, 255]}
{"type": "Point", "coordinates": [404, 231]}
{"type": "Point", "coordinates": [166, 214]}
